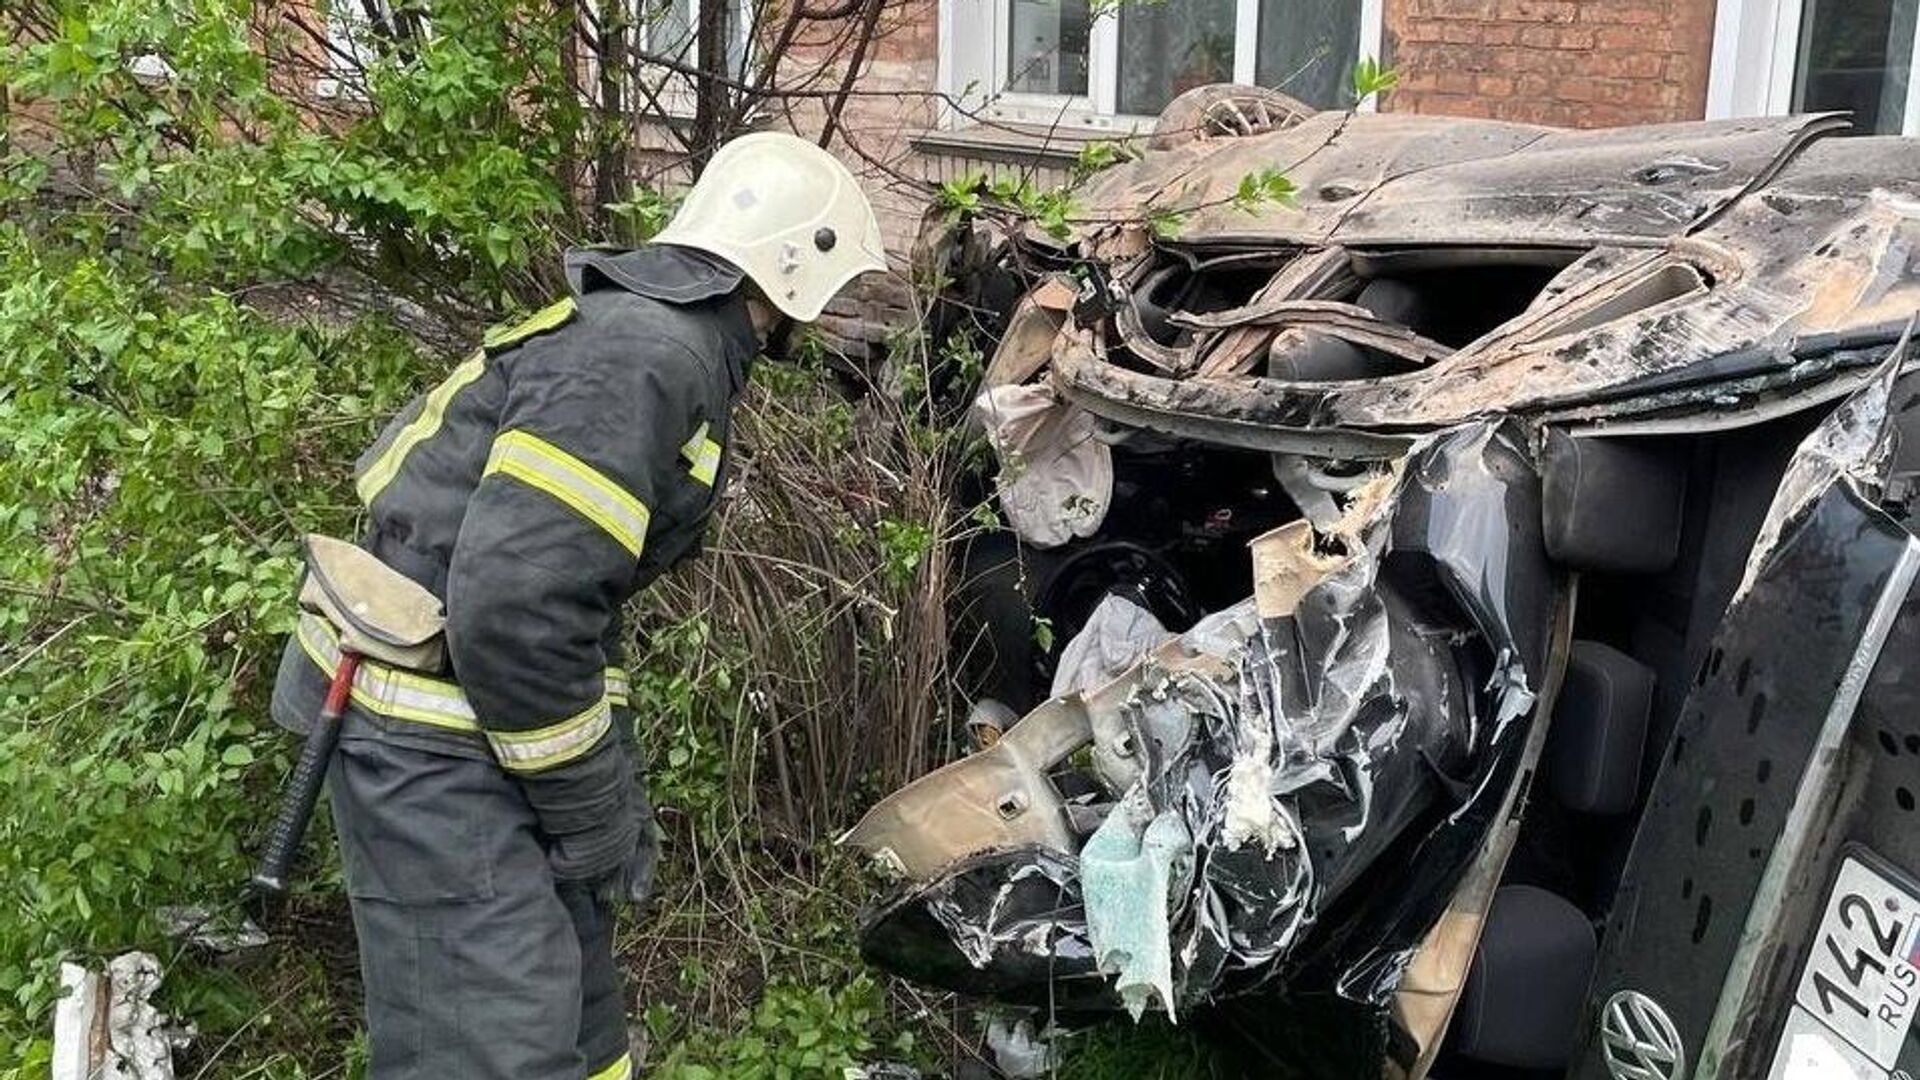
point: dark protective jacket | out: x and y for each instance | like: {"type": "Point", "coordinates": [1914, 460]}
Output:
{"type": "Point", "coordinates": [554, 473]}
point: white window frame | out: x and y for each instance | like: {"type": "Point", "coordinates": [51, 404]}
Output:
{"type": "Point", "coordinates": [1756, 48]}
{"type": "Point", "coordinates": [973, 39]}
{"type": "Point", "coordinates": [1012, 104]}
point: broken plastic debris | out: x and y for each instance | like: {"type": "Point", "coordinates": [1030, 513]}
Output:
{"type": "Point", "coordinates": [1018, 1051]}
{"type": "Point", "coordinates": [1852, 443]}
{"type": "Point", "coordinates": [881, 1070]}
{"type": "Point", "coordinates": [987, 720]}
{"type": "Point", "coordinates": [1262, 767]}
{"type": "Point", "coordinates": [106, 1026]}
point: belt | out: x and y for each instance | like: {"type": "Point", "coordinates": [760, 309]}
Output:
{"type": "Point", "coordinates": [400, 694]}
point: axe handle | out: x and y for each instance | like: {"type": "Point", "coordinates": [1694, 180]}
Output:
{"type": "Point", "coordinates": [303, 788]}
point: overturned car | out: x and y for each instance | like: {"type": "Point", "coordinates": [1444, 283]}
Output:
{"type": "Point", "coordinates": [1480, 586]}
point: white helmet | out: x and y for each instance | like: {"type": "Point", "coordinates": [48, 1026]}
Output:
{"type": "Point", "coordinates": [788, 214]}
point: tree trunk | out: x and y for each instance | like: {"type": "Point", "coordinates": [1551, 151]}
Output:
{"type": "Point", "coordinates": [713, 119]}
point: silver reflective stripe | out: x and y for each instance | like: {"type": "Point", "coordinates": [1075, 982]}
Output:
{"type": "Point", "coordinates": [537, 463]}
{"type": "Point", "coordinates": [556, 744]}
{"type": "Point", "coordinates": [406, 695]}
{"type": "Point", "coordinates": [423, 427]}
{"type": "Point", "coordinates": [387, 691]}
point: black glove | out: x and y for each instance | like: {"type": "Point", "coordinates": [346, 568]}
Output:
{"type": "Point", "coordinates": [633, 882]}
{"type": "Point", "coordinates": [592, 815]}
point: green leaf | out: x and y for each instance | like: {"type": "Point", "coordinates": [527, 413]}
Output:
{"type": "Point", "coordinates": [1370, 79]}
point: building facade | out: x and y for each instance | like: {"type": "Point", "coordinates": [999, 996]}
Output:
{"type": "Point", "coordinates": [1085, 65]}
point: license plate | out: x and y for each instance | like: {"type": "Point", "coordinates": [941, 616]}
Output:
{"type": "Point", "coordinates": [1860, 977]}
{"type": "Point", "coordinates": [1809, 1050]}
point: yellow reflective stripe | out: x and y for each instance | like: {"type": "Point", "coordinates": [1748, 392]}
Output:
{"type": "Point", "coordinates": [407, 695]}
{"type": "Point", "coordinates": [555, 744]}
{"type": "Point", "coordinates": [703, 456]}
{"type": "Point", "coordinates": [547, 318]}
{"type": "Point", "coordinates": [621, 1069]}
{"type": "Point", "coordinates": [387, 691]}
{"type": "Point", "coordinates": [538, 463]}
{"type": "Point", "coordinates": [424, 427]}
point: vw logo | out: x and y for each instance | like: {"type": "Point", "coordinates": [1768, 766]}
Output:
{"type": "Point", "coordinates": [1639, 1039]}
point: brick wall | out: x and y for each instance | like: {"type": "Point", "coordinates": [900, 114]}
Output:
{"type": "Point", "coordinates": [891, 103]}
{"type": "Point", "coordinates": [1573, 63]}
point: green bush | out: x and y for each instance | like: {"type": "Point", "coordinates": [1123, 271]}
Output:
{"type": "Point", "coordinates": [169, 448]}
{"type": "Point", "coordinates": [196, 279]}
{"type": "Point", "coordinates": [439, 176]}
{"type": "Point", "coordinates": [213, 288]}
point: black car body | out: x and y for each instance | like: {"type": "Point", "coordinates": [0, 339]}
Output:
{"type": "Point", "coordinates": [1567, 692]}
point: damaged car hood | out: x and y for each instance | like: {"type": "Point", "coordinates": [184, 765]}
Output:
{"type": "Point", "coordinates": [1406, 179]}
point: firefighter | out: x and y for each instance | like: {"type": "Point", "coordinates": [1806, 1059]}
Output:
{"type": "Point", "coordinates": [490, 814]}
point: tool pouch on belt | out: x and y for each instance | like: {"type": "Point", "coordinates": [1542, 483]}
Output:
{"type": "Point", "coordinates": [378, 612]}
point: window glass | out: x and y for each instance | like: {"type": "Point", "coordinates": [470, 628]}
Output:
{"type": "Point", "coordinates": [1047, 47]}
{"type": "Point", "coordinates": [669, 26]}
{"type": "Point", "coordinates": [1170, 46]}
{"type": "Point", "coordinates": [1306, 48]}
{"type": "Point", "coordinates": [1856, 55]}
{"type": "Point", "coordinates": [672, 33]}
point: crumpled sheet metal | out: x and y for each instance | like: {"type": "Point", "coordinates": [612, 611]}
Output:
{"type": "Point", "coordinates": [1393, 178]}
{"type": "Point", "coordinates": [1854, 443]}
{"type": "Point", "coordinates": [1028, 340]}
{"type": "Point", "coordinates": [106, 1026]}
{"type": "Point", "coordinates": [1253, 770]}
{"type": "Point", "coordinates": [997, 799]}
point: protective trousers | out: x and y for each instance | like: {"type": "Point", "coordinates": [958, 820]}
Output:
{"type": "Point", "coordinates": [477, 963]}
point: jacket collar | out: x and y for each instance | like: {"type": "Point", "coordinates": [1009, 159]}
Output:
{"type": "Point", "coordinates": [674, 275]}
